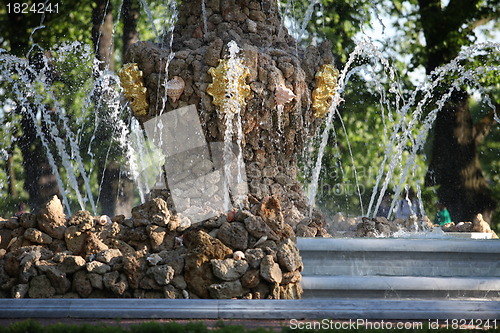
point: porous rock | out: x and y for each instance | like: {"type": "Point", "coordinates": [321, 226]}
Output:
{"type": "Point", "coordinates": [97, 267]}
{"type": "Point", "coordinates": [227, 290]}
{"type": "Point", "coordinates": [270, 270]}
{"type": "Point", "coordinates": [40, 287]}
{"type": "Point", "coordinates": [20, 290]}
{"type": "Point", "coordinates": [82, 284]}
{"type": "Point", "coordinates": [234, 235]}
{"type": "Point", "coordinates": [57, 278]}
{"type": "Point", "coordinates": [201, 249]}
{"type": "Point", "coordinates": [93, 244]}
{"type": "Point", "coordinates": [134, 267]}
{"type": "Point", "coordinates": [254, 257]}
{"type": "Point", "coordinates": [162, 274]}
{"type": "Point", "coordinates": [251, 278]}
{"type": "Point", "coordinates": [154, 211]}
{"type": "Point", "coordinates": [51, 218]}
{"type": "Point", "coordinates": [288, 256]}
{"type": "Point", "coordinates": [115, 282]}
{"type": "Point", "coordinates": [71, 263]}
{"type": "Point", "coordinates": [270, 212]}
{"type": "Point", "coordinates": [110, 256]}
{"type": "Point", "coordinates": [229, 269]}
{"type": "Point", "coordinates": [37, 237]}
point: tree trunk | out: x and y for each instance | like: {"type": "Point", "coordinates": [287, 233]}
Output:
{"type": "Point", "coordinates": [454, 165]}
{"type": "Point", "coordinates": [130, 14]}
{"type": "Point", "coordinates": [102, 33]}
{"type": "Point", "coordinates": [11, 175]}
{"type": "Point", "coordinates": [272, 137]}
{"type": "Point", "coordinates": [116, 191]}
{"type": "Point", "coordinates": [116, 197]}
{"type": "Point", "coordinates": [39, 180]}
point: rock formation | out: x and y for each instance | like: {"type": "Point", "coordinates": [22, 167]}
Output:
{"type": "Point", "coordinates": [249, 253]}
{"type": "Point", "coordinates": [278, 117]}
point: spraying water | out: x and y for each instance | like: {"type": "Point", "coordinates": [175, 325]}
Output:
{"type": "Point", "coordinates": [231, 111]}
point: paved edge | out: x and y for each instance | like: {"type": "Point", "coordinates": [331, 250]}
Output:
{"type": "Point", "coordinates": [399, 244]}
{"type": "Point", "coordinates": [391, 283]}
{"type": "Point", "coordinates": [250, 309]}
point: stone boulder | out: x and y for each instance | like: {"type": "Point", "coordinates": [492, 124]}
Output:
{"type": "Point", "coordinates": [40, 287]}
{"type": "Point", "coordinates": [303, 230]}
{"type": "Point", "coordinates": [20, 290]}
{"type": "Point", "coordinates": [134, 267]}
{"type": "Point", "coordinates": [234, 235]}
{"type": "Point", "coordinates": [70, 263]}
{"type": "Point", "coordinates": [74, 239]}
{"type": "Point", "coordinates": [93, 245]}
{"type": "Point", "coordinates": [254, 257]}
{"type": "Point", "coordinates": [162, 274]}
{"type": "Point", "coordinates": [115, 282]}
{"type": "Point", "coordinates": [258, 228]}
{"type": "Point", "coordinates": [174, 258]}
{"type": "Point", "coordinates": [83, 220]}
{"type": "Point", "coordinates": [251, 278]}
{"type": "Point", "coordinates": [270, 270]}
{"type": "Point", "coordinates": [154, 211]}
{"type": "Point", "coordinates": [28, 220]}
{"type": "Point", "coordinates": [480, 225]}
{"type": "Point", "coordinates": [51, 218]}
{"type": "Point", "coordinates": [201, 249]}
{"type": "Point", "coordinates": [290, 291]}
{"type": "Point", "coordinates": [229, 269]}
{"type": "Point", "coordinates": [288, 256]}
{"type": "Point", "coordinates": [227, 290]}
{"type": "Point", "coordinates": [57, 278]}
{"type": "Point", "coordinates": [82, 284]}
{"type": "Point", "coordinates": [97, 267]}
{"type": "Point", "coordinates": [110, 256]}
{"type": "Point", "coordinates": [37, 237]}
{"type": "Point", "coordinates": [270, 212]}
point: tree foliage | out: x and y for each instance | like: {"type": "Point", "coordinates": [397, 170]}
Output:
{"type": "Point", "coordinates": [61, 42]}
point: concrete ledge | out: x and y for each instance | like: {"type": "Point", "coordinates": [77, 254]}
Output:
{"type": "Point", "coordinates": [391, 283]}
{"type": "Point", "coordinates": [470, 235]}
{"type": "Point", "coordinates": [401, 264]}
{"type": "Point", "coordinates": [398, 244]}
{"type": "Point", "coordinates": [249, 309]}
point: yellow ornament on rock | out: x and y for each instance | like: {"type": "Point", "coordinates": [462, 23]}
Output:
{"type": "Point", "coordinates": [228, 87]}
{"type": "Point", "coordinates": [326, 82]}
{"type": "Point", "coordinates": [133, 88]}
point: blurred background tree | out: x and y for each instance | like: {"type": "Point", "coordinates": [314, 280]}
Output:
{"type": "Point", "coordinates": [416, 37]}
{"type": "Point", "coordinates": [109, 27]}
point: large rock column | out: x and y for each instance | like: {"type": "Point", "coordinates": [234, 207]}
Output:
{"type": "Point", "coordinates": [272, 138]}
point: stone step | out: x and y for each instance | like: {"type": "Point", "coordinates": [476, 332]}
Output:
{"type": "Point", "coordinates": [401, 287]}
{"type": "Point", "coordinates": [400, 257]}
{"type": "Point", "coordinates": [291, 310]}
{"type": "Point", "coordinates": [400, 268]}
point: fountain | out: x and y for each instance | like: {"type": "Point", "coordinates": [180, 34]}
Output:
{"type": "Point", "coordinates": [277, 90]}
{"type": "Point", "coordinates": [228, 104]}
{"type": "Point", "coordinates": [215, 84]}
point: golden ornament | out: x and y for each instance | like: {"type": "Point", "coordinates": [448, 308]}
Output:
{"type": "Point", "coordinates": [133, 88]}
{"type": "Point", "coordinates": [220, 88]}
{"type": "Point", "coordinates": [326, 82]}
